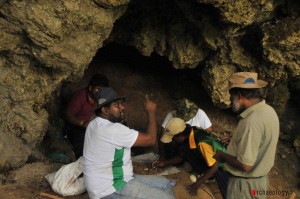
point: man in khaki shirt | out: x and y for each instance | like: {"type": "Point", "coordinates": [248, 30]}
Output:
{"type": "Point", "coordinates": [251, 152]}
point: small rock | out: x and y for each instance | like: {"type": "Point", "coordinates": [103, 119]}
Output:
{"type": "Point", "coordinates": [193, 178]}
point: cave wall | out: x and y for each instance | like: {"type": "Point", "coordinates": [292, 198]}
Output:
{"type": "Point", "coordinates": [220, 36]}
{"type": "Point", "coordinates": [44, 43]}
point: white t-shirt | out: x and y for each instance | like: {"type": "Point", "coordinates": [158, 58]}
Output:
{"type": "Point", "coordinates": [107, 157]}
{"type": "Point", "coordinates": [200, 120]}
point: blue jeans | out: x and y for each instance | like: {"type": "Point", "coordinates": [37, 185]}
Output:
{"type": "Point", "coordinates": [145, 187]}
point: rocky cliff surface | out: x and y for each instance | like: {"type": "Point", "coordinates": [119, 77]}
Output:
{"type": "Point", "coordinates": [44, 43]}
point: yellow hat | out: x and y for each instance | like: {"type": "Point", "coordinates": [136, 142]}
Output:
{"type": "Point", "coordinates": [173, 127]}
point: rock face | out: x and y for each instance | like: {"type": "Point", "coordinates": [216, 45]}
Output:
{"type": "Point", "coordinates": [220, 36]}
{"type": "Point", "coordinates": [43, 43]}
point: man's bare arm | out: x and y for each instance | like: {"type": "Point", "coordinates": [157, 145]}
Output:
{"type": "Point", "coordinates": [148, 138]}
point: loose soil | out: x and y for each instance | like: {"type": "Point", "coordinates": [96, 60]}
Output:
{"type": "Point", "coordinates": [134, 77]}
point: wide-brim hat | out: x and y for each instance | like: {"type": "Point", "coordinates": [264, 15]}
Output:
{"type": "Point", "coordinates": [173, 127]}
{"type": "Point", "coordinates": [107, 95]}
{"type": "Point", "coordinates": [245, 80]}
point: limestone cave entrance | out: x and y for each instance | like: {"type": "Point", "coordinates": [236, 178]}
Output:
{"type": "Point", "coordinates": [134, 75]}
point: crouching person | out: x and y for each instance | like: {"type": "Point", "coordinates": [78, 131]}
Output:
{"type": "Point", "coordinates": [108, 169]}
{"type": "Point", "coordinates": [198, 147]}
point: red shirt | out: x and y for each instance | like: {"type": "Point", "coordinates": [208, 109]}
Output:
{"type": "Point", "coordinates": [80, 106]}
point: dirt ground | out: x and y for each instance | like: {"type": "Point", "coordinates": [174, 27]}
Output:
{"type": "Point", "coordinates": [29, 182]}
{"type": "Point", "coordinates": [134, 77]}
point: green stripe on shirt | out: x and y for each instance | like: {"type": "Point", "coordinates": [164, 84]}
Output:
{"type": "Point", "coordinates": [118, 173]}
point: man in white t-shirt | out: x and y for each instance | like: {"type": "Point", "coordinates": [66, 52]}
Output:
{"type": "Point", "coordinates": [108, 169]}
{"type": "Point", "coordinates": [200, 120]}
{"type": "Point", "coordinates": [192, 115]}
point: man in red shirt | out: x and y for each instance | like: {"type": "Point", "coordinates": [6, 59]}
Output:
{"type": "Point", "coordinates": [80, 111]}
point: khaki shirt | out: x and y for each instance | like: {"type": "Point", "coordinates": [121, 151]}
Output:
{"type": "Point", "coordinates": [254, 141]}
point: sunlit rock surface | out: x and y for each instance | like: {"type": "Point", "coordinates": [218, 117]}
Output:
{"type": "Point", "coordinates": [43, 43]}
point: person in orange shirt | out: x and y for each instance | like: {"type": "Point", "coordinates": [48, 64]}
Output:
{"type": "Point", "coordinates": [197, 146]}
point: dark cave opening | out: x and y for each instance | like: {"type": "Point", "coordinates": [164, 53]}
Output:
{"type": "Point", "coordinates": [251, 42]}
{"type": "Point", "coordinates": [134, 75]}
{"type": "Point", "coordinates": [179, 82]}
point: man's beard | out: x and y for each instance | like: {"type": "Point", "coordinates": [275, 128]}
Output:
{"type": "Point", "coordinates": [119, 119]}
{"type": "Point", "coordinates": [235, 106]}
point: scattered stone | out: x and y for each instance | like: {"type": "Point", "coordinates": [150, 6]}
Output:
{"type": "Point", "coordinates": [193, 178]}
